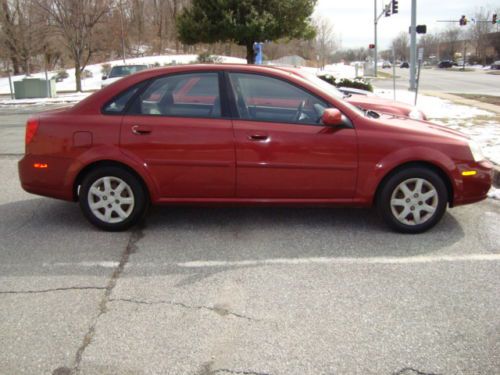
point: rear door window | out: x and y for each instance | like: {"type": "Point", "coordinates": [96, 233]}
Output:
{"type": "Point", "coordinates": [184, 95]}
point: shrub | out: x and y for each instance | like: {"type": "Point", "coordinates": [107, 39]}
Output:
{"type": "Point", "coordinates": [206, 58]}
{"type": "Point", "coordinates": [87, 74]}
{"type": "Point", "coordinates": [105, 69]}
{"type": "Point", "coordinates": [356, 83]}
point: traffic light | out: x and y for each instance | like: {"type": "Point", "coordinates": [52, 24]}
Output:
{"type": "Point", "coordinates": [387, 10]}
{"type": "Point", "coordinates": [421, 29]}
{"type": "Point", "coordinates": [394, 6]}
{"type": "Point", "coordinates": [494, 19]}
{"type": "Point", "coordinates": [463, 20]}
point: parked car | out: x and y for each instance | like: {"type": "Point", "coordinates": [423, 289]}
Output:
{"type": "Point", "coordinates": [244, 134]}
{"type": "Point", "coordinates": [445, 64]}
{"type": "Point", "coordinates": [348, 91]}
{"type": "Point", "coordinates": [495, 65]}
{"type": "Point", "coordinates": [120, 71]}
{"type": "Point", "coordinates": [362, 99]}
{"type": "Point", "coordinates": [386, 64]}
{"type": "Point", "coordinates": [404, 65]}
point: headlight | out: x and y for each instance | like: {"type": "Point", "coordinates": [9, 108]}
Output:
{"type": "Point", "coordinates": [416, 114]}
{"type": "Point", "coordinates": [476, 151]}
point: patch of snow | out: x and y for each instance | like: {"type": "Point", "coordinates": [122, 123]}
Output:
{"type": "Point", "coordinates": [494, 193]}
{"type": "Point", "coordinates": [94, 83]}
{"type": "Point", "coordinates": [435, 108]}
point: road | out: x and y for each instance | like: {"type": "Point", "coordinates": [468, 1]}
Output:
{"type": "Point", "coordinates": [245, 291]}
{"type": "Point", "coordinates": [474, 82]}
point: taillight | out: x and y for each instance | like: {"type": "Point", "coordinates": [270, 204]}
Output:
{"type": "Point", "coordinates": [31, 128]}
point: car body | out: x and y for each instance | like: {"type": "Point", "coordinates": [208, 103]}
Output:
{"type": "Point", "coordinates": [386, 65]}
{"type": "Point", "coordinates": [249, 135]}
{"type": "Point", "coordinates": [119, 71]}
{"type": "Point", "coordinates": [362, 99]}
{"type": "Point", "coordinates": [445, 64]}
{"type": "Point", "coordinates": [404, 65]}
{"type": "Point", "coordinates": [495, 65]}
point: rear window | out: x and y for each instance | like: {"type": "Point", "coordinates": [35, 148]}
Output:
{"type": "Point", "coordinates": [122, 71]}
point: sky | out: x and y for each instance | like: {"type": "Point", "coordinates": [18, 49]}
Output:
{"type": "Point", "coordinates": [353, 19]}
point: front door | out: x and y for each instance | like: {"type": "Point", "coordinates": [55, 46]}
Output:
{"type": "Point", "coordinates": [282, 149]}
{"type": "Point", "coordinates": [176, 128]}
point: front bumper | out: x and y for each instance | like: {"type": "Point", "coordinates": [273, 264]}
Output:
{"type": "Point", "coordinates": [473, 188]}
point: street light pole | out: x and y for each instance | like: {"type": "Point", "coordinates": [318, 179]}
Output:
{"type": "Point", "coordinates": [413, 45]}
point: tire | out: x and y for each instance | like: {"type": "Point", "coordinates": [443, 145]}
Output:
{"type": "Point", "coordinates": [412, 200]}
{"type": "Point", "coordinates": [113, 199]}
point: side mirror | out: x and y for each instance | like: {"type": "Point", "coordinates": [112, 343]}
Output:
{"type": "Point", "coordinates": [104, 77]}
{"type": "Point", "coordinates": [332, 117]}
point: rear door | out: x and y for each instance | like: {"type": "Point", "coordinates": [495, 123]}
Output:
{"type": "Point", "coordinates": [282, 149]}
{"type": "Point", "coordinates": [177, 129]}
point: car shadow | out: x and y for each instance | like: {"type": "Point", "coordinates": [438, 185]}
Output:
{"type": "Point", "coordinates": [39, 232]}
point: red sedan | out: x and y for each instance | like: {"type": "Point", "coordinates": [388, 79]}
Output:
{"type": "Point", "coordinates": [242, 134]}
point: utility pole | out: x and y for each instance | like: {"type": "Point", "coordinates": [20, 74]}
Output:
{"type": "Point", "coordinates": [413, 45]}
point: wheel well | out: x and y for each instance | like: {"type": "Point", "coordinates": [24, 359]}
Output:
{"type": "Point", "coordinates": [433, 167]}
{"type": "Point", "coordinates": [105, 163]}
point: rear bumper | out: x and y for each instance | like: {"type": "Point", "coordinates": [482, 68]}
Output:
{"type": "Point", "coordinates": [474, 188]}
{"type": "Point", "coordinates": [50, 181]}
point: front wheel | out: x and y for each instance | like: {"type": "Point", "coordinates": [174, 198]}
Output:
{"type": "Point", "coordinates": [413, 200]}
{"type": "Point", "coordinates": [112, 198]}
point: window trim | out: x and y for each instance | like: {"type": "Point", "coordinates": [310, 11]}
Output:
{"type": "Point", "coordinates": [234, 111]}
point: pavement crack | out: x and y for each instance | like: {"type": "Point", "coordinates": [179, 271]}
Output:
{"type": "Point", "coordinates": [412, 371]}
{"type": "Point", "coordinates": [131, 248]}
{"type": "Point", "coordinates": [52, 290]}
{"type": "Point", "coordinates": [217, 309]}
{"type": "Point", "coordinates": [241, 372]}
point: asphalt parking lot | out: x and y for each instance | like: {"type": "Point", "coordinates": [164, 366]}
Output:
{"type": "Point", "coordinates": [245, 291]}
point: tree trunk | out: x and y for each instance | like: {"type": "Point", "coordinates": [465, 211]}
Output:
{"type": "Point", "coordinates": [78, 77]}
{"type": "Point", "coordinates": [15, 65]}
{"type": "Point", "coordinates": [250, 53]}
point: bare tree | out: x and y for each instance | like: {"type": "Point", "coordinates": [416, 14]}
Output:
{"type": "Point", "coordinates": [401, 45]}
{"type": "Point", "coordinates": [75, 20]}
{"type": "Point", "coordinates": [22, 32]}
{"type": "Point", "coordinates": [478, 32]}
{"type": "Point", "coordinates": [451, 41]}
{"type": "Point", "coordinates": [325, 41]}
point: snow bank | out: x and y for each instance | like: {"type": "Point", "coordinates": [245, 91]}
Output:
{"type": "Point", "coordinates": [435, 108]}
{"type": "Point", "coordinates": [94, 82]}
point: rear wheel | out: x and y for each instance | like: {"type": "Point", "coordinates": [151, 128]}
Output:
{"type": "Point", "coordinates": [413, 200]}
{"type": "Point", "coordinates": [112, 198]}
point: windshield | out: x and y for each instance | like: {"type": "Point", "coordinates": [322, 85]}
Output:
{"type": "Point", "coordinates": [125, 70]}
{"type": "Point", "coordinates": [330, 89]}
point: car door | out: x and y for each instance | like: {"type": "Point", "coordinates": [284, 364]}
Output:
{"type": "Point", "coordinates": [282, 149]}
{"type": "Point", "coordinates": [176, 128]}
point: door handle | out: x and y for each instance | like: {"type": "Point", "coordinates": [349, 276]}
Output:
{"type": "Point", "coordinates": [140, 130]}
{"type": "Point", "coordinates": [258, 137]}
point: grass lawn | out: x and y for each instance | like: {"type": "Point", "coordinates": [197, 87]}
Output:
{"type": "Point", "coordinates": [482, 98]}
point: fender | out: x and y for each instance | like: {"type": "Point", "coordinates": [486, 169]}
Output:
{"type": "Point", "coordinates": [106, 153]}
{"type": "Point", "coordinates": [373, 174]}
